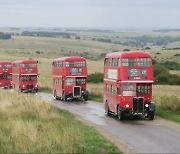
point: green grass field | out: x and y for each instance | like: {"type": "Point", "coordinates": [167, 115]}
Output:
{"type": "Point", "coordinates": [31, 125]}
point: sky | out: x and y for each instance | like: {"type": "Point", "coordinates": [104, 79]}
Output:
{"type": "Point", "coordinates": [90, 13]}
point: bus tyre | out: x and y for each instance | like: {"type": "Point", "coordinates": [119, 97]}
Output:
{"type": "Point", "coordinates": [85, 97]}
{"type": "Point", "coordinates": [151, 115]}
{"type": "Point", "coordinates": [64, 97]}
{"type": "Point", "coordinates": [55, 94]}
{"type": "Point", "coordinates": [119, 113]}
{"type": "Point", "coordinates": [107, 109]}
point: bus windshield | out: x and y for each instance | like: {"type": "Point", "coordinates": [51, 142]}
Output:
{"type": "Point", "coordinates": [5, 76]}
{"type": "Point", "coordinates": [129, 89]}
{"type": "Point", "coordinates": [70, 81]}
{"type": "Point", "coordinates": [29, 78]}
{"type": "Point", "coordinates": [80, 81]}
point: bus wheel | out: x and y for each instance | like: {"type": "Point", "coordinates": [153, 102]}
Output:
{"type": "Point", "coordinates": [107, 109]}
{"type": "Point", "coordinates": [151, 115]}
{"type": "Point", "coordinates": [55, 94]}
{"type": "Point", "coordinates": [85, 97]}
{"type": "Point", "coordinates": [119, 113]}
{"type": "Point", "coordinates": [64, 97]}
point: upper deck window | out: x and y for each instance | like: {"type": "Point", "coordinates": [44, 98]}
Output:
{"type": "Point", "coordinates": [28, 65]}
{"type": "Point", "coordinates": [75, 64]}
{"type": "Point", "coordinates": [144, 62]}
{"type": "Point", "coordinates": [128, 62]}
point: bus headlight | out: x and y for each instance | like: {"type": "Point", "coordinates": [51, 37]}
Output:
{"type": "Point", "coordinates": [23, 86]}
{"type": "Point", "coordinates": [146, 105]}
{"type": "Point", "coordinates": [82, 91]}
{"type": "Point", "coordinates": [127, 105]}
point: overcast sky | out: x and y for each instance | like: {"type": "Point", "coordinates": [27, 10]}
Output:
{"type": "Point", "coordinates": [90, 13]}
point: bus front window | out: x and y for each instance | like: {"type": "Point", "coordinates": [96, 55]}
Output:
{"type": "Point", "coordinates": [129, 89]}
{"type": "Point", "coordinates": [70, 81]}
{"type": "Point", "coordinates": [24, 78]}
{"type": "Point", "coordinates": [33, 78]}
{"type": "Point", "coordinates": [80, 81]}
{"type": "Point", "coordinates": [143, 89]}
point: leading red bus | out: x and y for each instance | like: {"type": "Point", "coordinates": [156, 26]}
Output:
{"type": "Point", "coordinates": [24, 75]}
{"type": "Point", "coordinates": [128, 79]}
{"type": "Point", "coordinates": [69, 78]}
{"type": "Point", "coordinates": [6, 74]}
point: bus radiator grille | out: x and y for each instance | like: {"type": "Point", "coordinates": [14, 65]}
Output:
{"type": "Point", "coordinates": [138, 105]}
{"type": "Point", "coordinates": [29, 87]}
{"type": "Point", "coordinates": [77, 91]}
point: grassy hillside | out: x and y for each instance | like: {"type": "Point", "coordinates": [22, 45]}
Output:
{"type": "Point", "coordinates": [30, 125]}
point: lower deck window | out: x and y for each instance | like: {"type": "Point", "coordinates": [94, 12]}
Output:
{"type": "Point", "coordinates": [5, 76]}
{"type": "Point", "coordinates": [70, 81]}
{"type": "Point", "coordinates": [29, 78]}
{"type": "Point", "coordinates": [143, 89]}
{"type": "Point", "coordinates": [80, 81]}
{"type": "Point", "coordinates": [129, 89]}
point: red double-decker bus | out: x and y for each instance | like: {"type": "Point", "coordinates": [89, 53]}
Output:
{"type": "Point", "coordinates": [69, 78]}
{"type": "Point", "coordinates": [128, 79]}
{"type": "Point", "coordinates": [24, 75]}
{"type": "Point", "coordinates": [5, 74]}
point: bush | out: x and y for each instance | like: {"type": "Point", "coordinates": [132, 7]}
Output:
{"type": "Point", "coordinates": [162, 75]}
{"type": "Point", "coordinates": [5, 36]}
{"type": "Point", "coordinates": [160, 69]}
{"type": "Point", "coordinates": [95, 78]}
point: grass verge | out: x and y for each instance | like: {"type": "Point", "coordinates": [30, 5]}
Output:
{"type": "Point", "coordinates": [31, 125]}
{"type": "Point", "coordinates": [95, 97]}
{"type": "Point", "coordinates": [168, 107]}
{"type": "Point", "coordinates": [168, 114]}
{"type": "Point", "coordinates": [45, 89]}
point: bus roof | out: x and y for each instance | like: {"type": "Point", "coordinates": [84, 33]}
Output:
{"type": "Point", "coordinates": [5, 62]}
{"type": "Point", "coordinates": [70, 58]}
{"type": "Point", "coordinates": [129, 54]}
{"type": "Point", "coordinates": [27, 61]}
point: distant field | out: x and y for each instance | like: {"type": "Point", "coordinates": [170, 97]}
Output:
{"type": "Point", "coordinates": [52, 47]}
{"type": "Point", "coordinates": [175, 72]}
{"type": "Point", "coordinates": [46, 49]}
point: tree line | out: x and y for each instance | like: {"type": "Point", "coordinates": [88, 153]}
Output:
{"type": "Point", "coordinates": [47, 34]}
{"type": "Point", "coordinates": [5, 36]}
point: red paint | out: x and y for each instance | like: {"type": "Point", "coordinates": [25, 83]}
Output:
{"type": "Point", "coordinates": [24, 75]}
{"type": "Point", "coordinates": [67, 71]}
{"type": "Point", "coordinates": [6, 74]}
{"type": "Point", "coordinates": [139, 76]}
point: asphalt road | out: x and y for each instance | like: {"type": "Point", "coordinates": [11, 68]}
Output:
{"type": "Point", "coordinates": [138, 134]}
